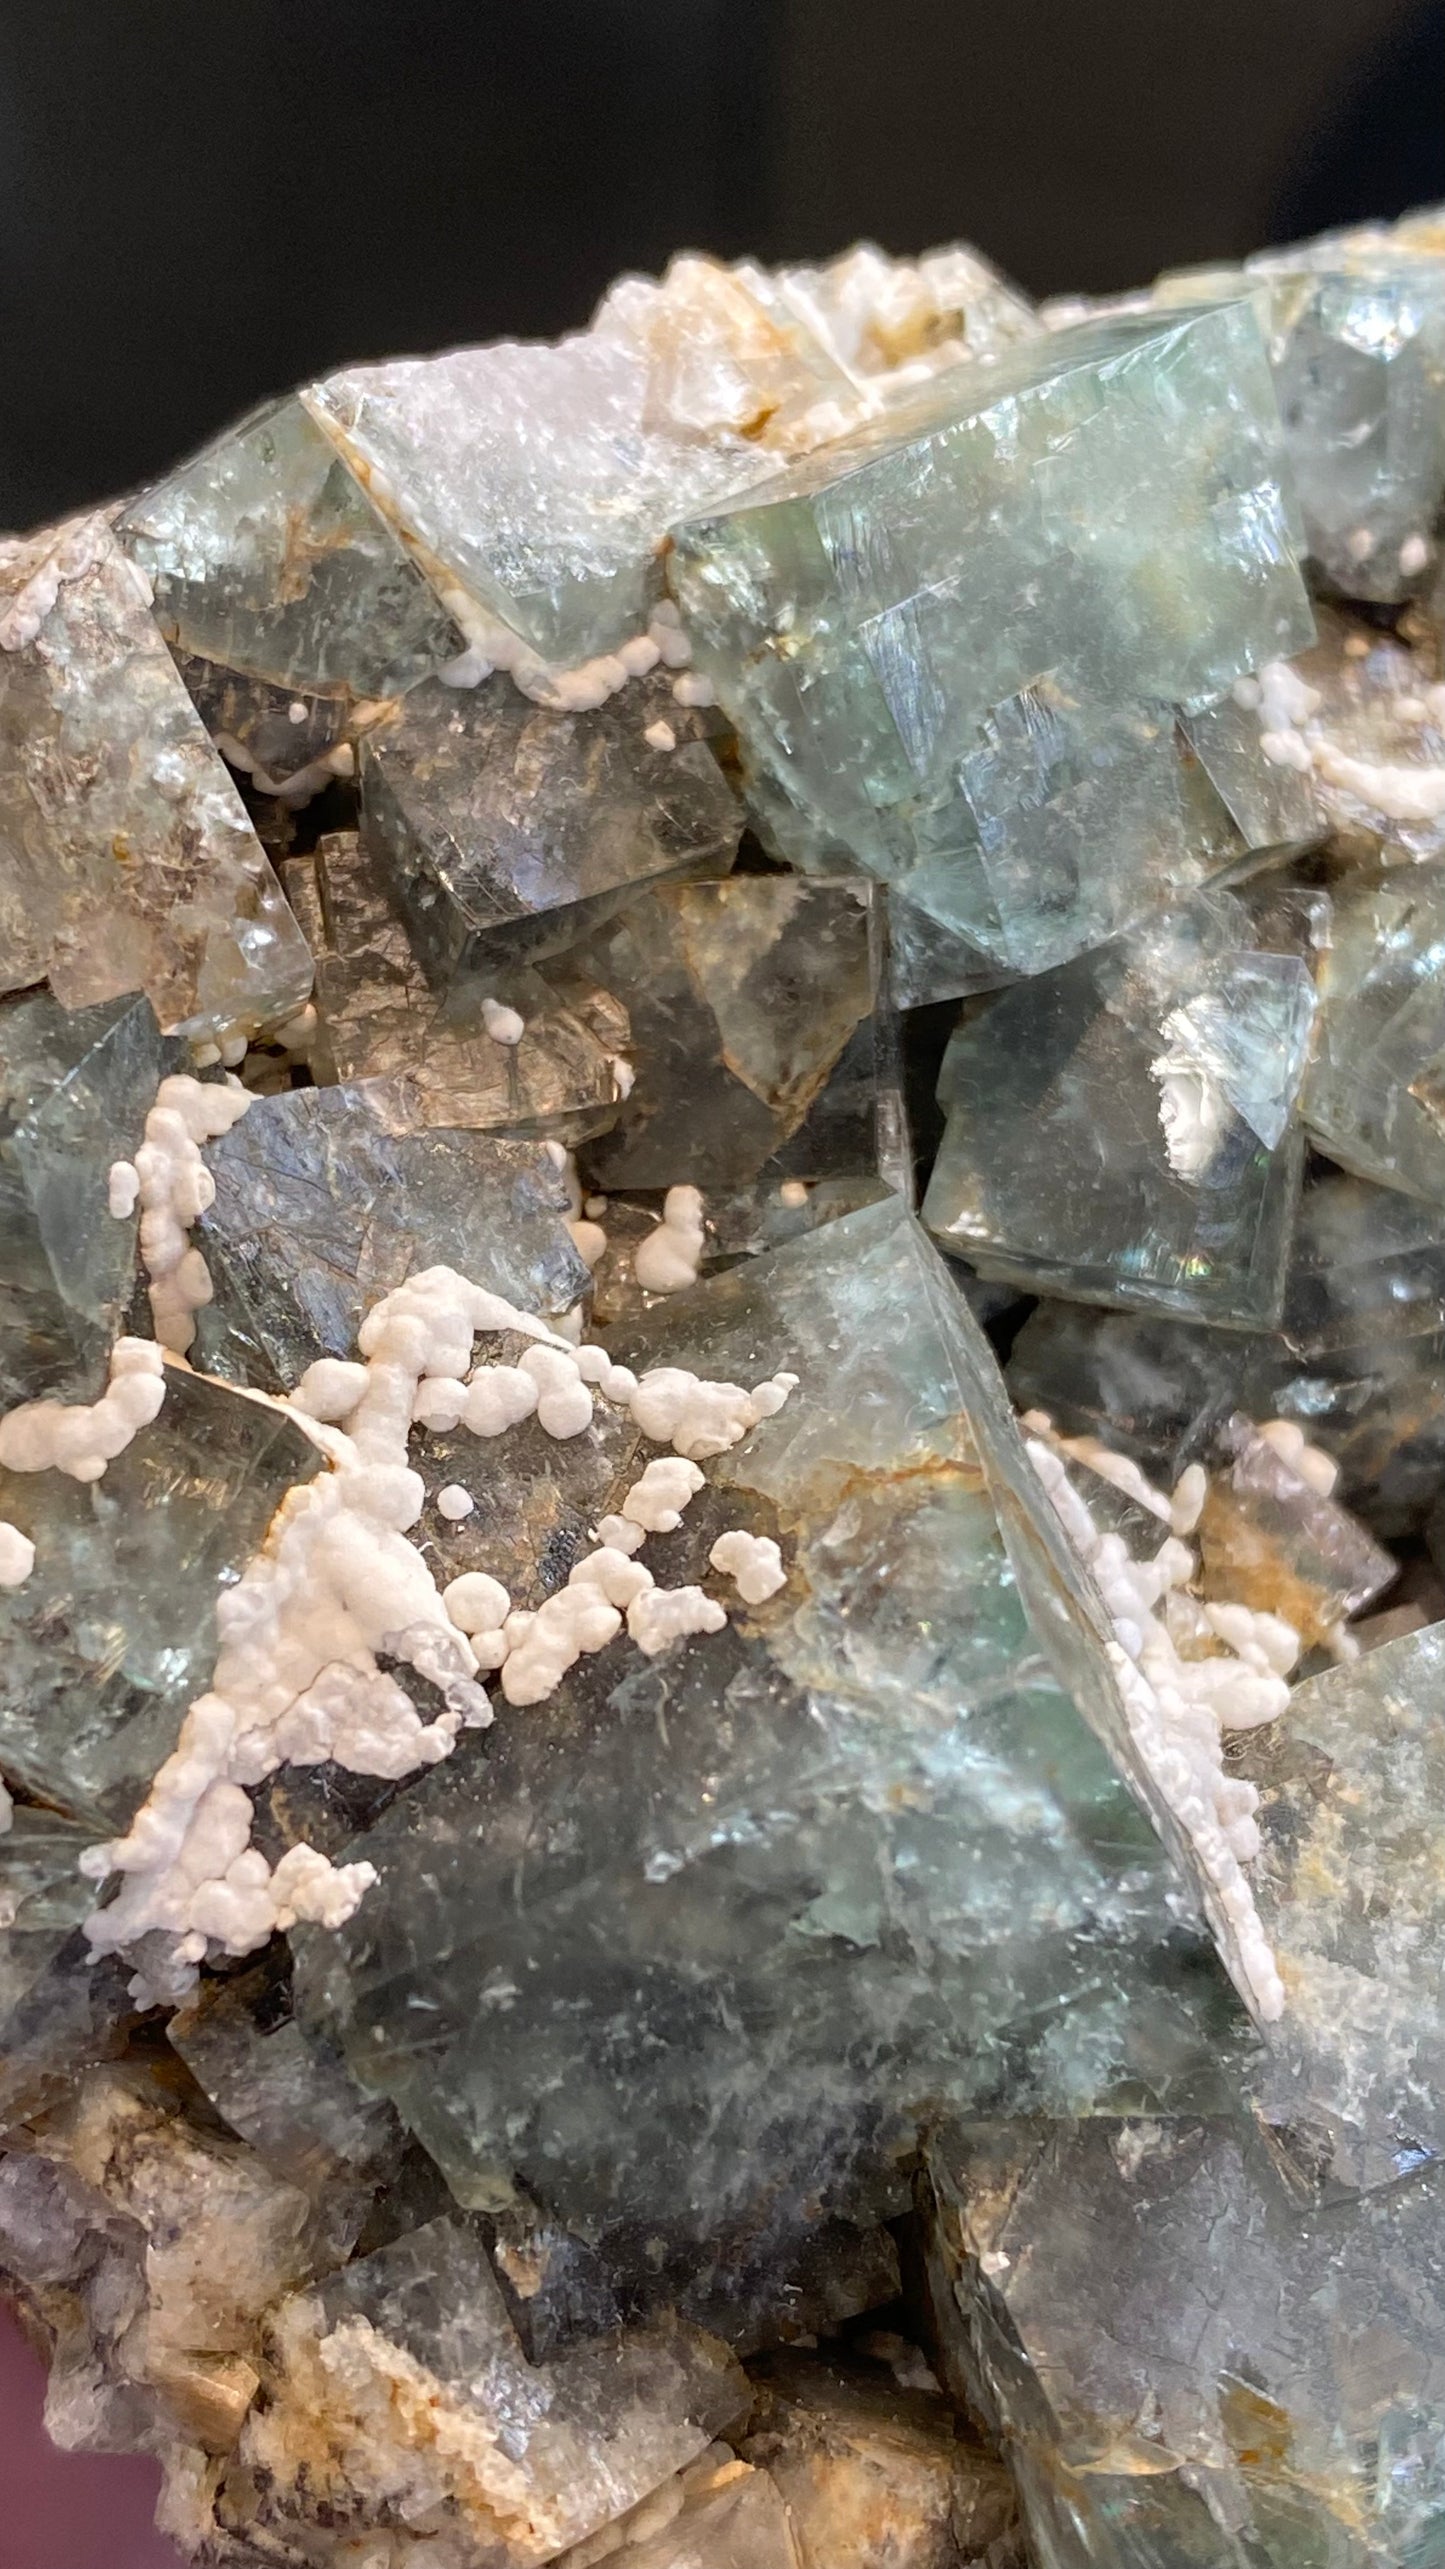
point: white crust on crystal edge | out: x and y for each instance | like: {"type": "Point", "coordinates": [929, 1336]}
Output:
{"type": "Point", "coordinates": [175, 1188]}
{"type": "Point", "coordinates": [1177, 1710]}
{"type": "Point", "coordinates": [51, 1435]}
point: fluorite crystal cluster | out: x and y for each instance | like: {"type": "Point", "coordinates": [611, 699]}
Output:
{"type": "Point", "coordinates": [696, 1868]}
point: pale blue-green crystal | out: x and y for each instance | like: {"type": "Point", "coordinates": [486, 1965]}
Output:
{"type": "Point", "coordinates": [114, 1631]}
{"type": "Point", "coordinates": [1351, 1892]}
{"type": "Point", "coordinates": [692, 1952]}
{"type": "Point", "coordinates": [532, 479]}
{"type": "Point", "coordinates": [1125, 1129]}
{"type": "Point", "coordinates": [1357, 345]}
{"type": "Point", "coordinates": [266, 557]}
{"type": "Point", "coordinates": [1184, 2366]}
{"type": "Point", "coordinates": [1374, 1096]}
{"type": "Point", "coordinates": [75, 1089]}
{"type": "Point", "coordinates": [955, 639]}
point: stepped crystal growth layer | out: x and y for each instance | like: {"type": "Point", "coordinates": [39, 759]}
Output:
{"type": "Point", "coordinates": [722, 1459]}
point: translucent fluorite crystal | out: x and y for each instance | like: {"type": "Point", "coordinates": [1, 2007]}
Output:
{"type": "Point", "coordinates": [851, 1894]}
{"type": "Point", "coordinates": [104, 1644]}
{"type": "Point", "coordinates": [955, 639]}
{"type": "Point", "coordinates": [1350, 1888]}
{"type": "Point", "coordinates": [740, 1969]}
{"type": "Point", "coordinates": [75, 1089]}
{"type": "Point", "coordinates": [503, 830]}
{"type": "Point", "coordinates": [1375, 1094]}
{"type": "Point", "coordinates": [43, 1898]}
{"type": "Point", "coordinates": [760, 1034]}
{"type": "Point", "coordinates": [128, 862]}
{"type": "Point", "coordinates": [1186, 2367]}
{"type": "Point", "coordinates": [1357, 344]}
{"type": "Point", "coordinates": [380, 1023]}
{"type": "Point", "coordinates": [1125, 1130]}
{"type": "Point", "coordinates": [266, 557]}
{"type": "Point", "coordinates": [324, 1202]}
{"type": "Point", "coordinates": [530, 482]}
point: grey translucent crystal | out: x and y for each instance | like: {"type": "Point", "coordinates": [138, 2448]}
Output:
{"type": "Point", "coordinates": [325, 1201]}
{"type": "Point", "coordinates": [502, 829]}
{"type": "Point", "coordinates": [380, 1023]}
{"type": "Point", "coordinates": [114, 1631]}
{"type": "Point", "coordinates": [1125, 1129]}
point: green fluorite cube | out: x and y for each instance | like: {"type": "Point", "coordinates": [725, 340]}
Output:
{"type": "Point", "coordinates": [956, 638]}
{"type": "Point", "coordinates": [1126, 1129]}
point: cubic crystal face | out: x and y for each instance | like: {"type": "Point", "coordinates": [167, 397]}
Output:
{"type": "Point", "coordinates": [651, 1825]}
{"type": "Point", "coordinates": [1160, 1077]}
{"type": "Point", "coordinates": [1079, 2284]}
{"type": "Point", "coordinates": [323, 1205]}
{"type": "Point", "coordinates": [380, 1023]}
{"type": "Point", "coordinates": [104, 1644]}
{"type": "Point", "coordinates": [530, 482]}
{"type": "Point", "coordinates": [128, 861]}
{"type": "Point", "coordinates": [897, 1833]}
{"type": "Point", "coordinates": [1357, 344]}
{"type": "Point", "coordinates": [503, 829]}
{"type": "Point", "coordinates": [267, 558]}
{"type": "Point", "coordinates": [760, 1036]}
{"type": "Point", "coordinates": [1375, 1094]}
{"type": "Point", "coordinates": [955, 638]}
{"type": "Point", "coordinates": [75, 1088]}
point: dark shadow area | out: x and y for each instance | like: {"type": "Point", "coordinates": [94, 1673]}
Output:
{"type": "Point", "coordinates": [199, 205]}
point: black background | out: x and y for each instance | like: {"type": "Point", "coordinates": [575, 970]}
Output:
{"type": "Point", "coordinates": [204, 200]}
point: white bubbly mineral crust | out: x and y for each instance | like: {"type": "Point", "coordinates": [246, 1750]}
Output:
{"type": "Point", "coordinates": [52, 1435]}
{"type": "Point", "coordinates": [337, 1582]}
{"type": "Point", "coordinates": [667, 1260]}
{"type": "Point", "coordinates": [1179, 1709]}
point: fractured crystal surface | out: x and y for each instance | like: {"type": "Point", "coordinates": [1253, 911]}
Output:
{"type": "Point", "coordinates": [1184, 2366]}
{"type": "Point", "coordinates": [323, 1203]}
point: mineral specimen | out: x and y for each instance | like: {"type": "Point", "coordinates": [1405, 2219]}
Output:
{"type": "Point", "coordinates": [648, 1913]}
